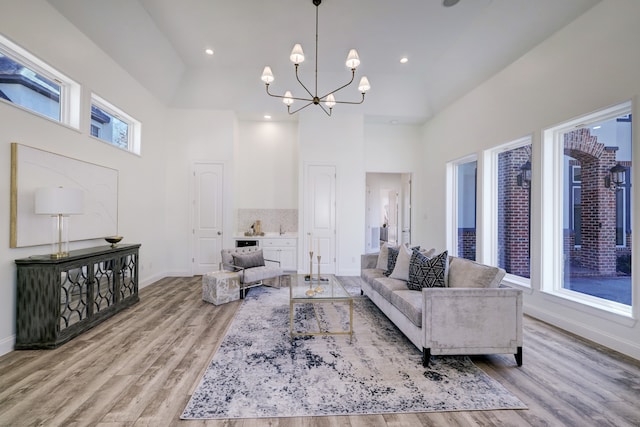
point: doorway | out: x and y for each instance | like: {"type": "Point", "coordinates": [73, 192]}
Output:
{"type": "Point", "coordinates": [206, 217]}
{"type": "Point", "coordinates": [388, 209]}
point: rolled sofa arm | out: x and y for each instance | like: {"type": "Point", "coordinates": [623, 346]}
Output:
{"type": "Point", "coordinates": [472, 321]}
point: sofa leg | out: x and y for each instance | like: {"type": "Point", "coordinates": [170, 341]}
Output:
{"type": "Point", "coordinates": [518, 356]}
{"type": "Point", "coordinates": [426, 357]}
{"type": "Point", "coordinates": [361, 292]}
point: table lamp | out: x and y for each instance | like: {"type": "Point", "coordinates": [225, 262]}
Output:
{"type": "Point", "coordinates": [59, 202]}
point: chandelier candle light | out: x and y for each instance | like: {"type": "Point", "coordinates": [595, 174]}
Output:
{"type": "Point", "coordinates": [329, 100]}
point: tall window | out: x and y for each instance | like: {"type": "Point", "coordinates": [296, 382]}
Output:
{"type": "Point", "coordinates": [589, 169]}
{"type": "Point", "coordinates": [463, 178]}
{"type": "Point", "coordinates": [513, 199]}
{"type": "Point", "coordinates": [29, 83]}
{"type": "Point", "coordinates": [112, 125]}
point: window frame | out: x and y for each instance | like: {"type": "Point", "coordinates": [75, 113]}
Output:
{"type": "Point", "coordinates": [552, 211]}
{"type": "Point", "coordinates": [134, 129]}
{"type": "Point", "coordinates": [452, 186]}
{"type": "Point", "coordinates": [490, 206]}
{"type": "Point", "coordinates": [70, 90]}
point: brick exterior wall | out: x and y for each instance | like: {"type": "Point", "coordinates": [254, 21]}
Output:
{"type": "Point", "coordinates": [513, 213]}
{"type": "Point", "coordinates": [597, 254]}
{"type": "Point", "coordinates": [467, 243]}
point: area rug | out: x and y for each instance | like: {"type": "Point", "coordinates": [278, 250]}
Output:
{"type": "Point", "coordinates": [258, 371]}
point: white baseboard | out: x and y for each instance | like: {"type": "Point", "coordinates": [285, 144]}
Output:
{"type": "Point", "coordinates": [7, 344]}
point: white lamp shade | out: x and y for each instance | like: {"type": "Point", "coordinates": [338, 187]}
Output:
{"type": "Point", "coordinates": [288, 98]}
{"type": "Point", "coordinates": [59, 201]}
{"type": "Point", "coordinates": [267, 75]}
{"type": "Point", "coordinates": [353, 60]}
{"type": "Point", "coordinates": [364, 84]}
{"type": "Point", "coordinates": [331, 101]}
{"type": "Point", "coordinates": [297, 55]}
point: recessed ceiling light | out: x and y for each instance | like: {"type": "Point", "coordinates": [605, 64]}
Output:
{"type": "Point", "coordinates": [404, 60]}
{"type": "Point", "coordinates": [208, 51]}
{"type": "Point", "coordinates": [268, 117]}
{"type": "Point", "coordinates": [394, 122]}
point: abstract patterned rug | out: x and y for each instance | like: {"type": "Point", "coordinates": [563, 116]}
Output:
{"type": "Point", "coordinates": [259, 372]}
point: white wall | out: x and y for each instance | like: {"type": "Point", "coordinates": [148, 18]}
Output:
{"type": "Point", "coordinates": [338, 141]}
{"type": "Point", "coordinates": [266, 165]}
{"type": "Point", "coordinates": [195, 136]}
{"type": "Point", "coordinates": [592, 63]}
{"type": "Point", "coordinates": [37, 27]}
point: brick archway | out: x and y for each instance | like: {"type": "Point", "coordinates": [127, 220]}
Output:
{"type": "Point", "coordinates": [597, 253]}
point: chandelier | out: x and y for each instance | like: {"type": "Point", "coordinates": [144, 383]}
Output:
{"type": "Point", "coordinates": [329, 100]}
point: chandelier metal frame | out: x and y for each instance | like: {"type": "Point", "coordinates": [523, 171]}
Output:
{"type": "Point", "coordinates": [297, 56]}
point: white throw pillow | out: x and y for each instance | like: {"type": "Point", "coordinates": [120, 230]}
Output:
{"type": "Point", "coordinates": [383, 257]}
{"type": "Point", "coordinates": [401, 270]}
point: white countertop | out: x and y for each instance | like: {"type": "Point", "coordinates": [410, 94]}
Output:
{"type": "Point", "coordinates": [275, 234]}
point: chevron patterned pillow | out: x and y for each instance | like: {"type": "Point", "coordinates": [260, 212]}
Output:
{"type": "Point", "coordinates": [428, 272]}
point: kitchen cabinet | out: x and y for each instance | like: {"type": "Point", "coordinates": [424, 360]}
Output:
{"type": "Point", "coordinates": [281, 249]}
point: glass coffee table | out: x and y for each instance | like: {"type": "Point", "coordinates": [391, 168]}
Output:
{"type": "Point", "coordinates": [327, 291]}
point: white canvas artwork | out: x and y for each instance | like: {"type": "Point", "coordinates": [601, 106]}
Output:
{"type": "Point", "coordinates": [33, 168]}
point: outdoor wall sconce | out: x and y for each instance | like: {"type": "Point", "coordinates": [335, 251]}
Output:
{"type": "Point", "coordinates": [616, 177]}
{"type": "Point", "coordinates": [524, 177]}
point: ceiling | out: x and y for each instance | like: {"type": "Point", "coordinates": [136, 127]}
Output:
{"type": "Point", "coordinates": [451, 50]}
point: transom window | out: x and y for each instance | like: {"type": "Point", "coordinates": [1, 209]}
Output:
{"type": "Point", "coordinates": [114, 126]}
{"type": "Point", "coordinates": [29, 83]}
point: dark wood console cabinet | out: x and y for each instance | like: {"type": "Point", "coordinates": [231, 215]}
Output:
{"type": "Point", "coordinates": [58, 299]}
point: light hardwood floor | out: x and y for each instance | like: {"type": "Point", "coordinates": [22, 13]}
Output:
{"type": "Point", "coordinates": [140, 367]}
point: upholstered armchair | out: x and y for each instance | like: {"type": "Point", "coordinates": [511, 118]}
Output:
{"type": "Point", "coordinates": [251, 266]}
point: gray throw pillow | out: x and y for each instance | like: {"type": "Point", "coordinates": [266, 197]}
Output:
{"type": "Point", "coordinates": [253, 259]}
{"type": "Point", "coordinates": [428, 272]}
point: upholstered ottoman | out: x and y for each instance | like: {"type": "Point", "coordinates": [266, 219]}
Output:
{"type": "Point", "coordinates": [219, 287]}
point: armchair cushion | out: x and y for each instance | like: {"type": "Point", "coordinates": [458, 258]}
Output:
{"type": "Point", "coordinates": [249, 260]}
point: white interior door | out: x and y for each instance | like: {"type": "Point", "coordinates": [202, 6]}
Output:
{"type": "Point", "coordinates": [207, 217]}
{"type": "Point", "coordinates": [320, 215]}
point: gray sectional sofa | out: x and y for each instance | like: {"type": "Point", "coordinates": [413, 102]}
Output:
{"type": "Point", "coordinates": [471, 315]}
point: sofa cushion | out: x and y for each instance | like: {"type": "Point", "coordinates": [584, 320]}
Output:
{"type": "Point", "coordinates": [383, 257]}
{"type": "Point", "coordinates": [253, 259]}
{"type": "Point", "coordinates": [391, 260]}
{"type": "Point", "coordinates": [409, 303]}
{"type": "Point", "coordinates": [401, 269]}
{"type": "Point", "coordinates": [385, 286]}
{"type": "Point", "coordinates": [464, 273]}
{"type": "Point", "coordinates": [370, 274]}
{"type": "Point", "coordinates": [428, 272]}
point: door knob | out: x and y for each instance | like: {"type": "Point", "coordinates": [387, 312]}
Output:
{"type": "Point", "coordinates": [219, 233]}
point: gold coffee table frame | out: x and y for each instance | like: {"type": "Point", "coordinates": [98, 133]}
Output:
{"type": "Point", "coordinates": [332, 291]}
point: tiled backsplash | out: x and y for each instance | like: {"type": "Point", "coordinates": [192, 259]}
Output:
{"type": "Point", "coordinates": [270, 219]}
